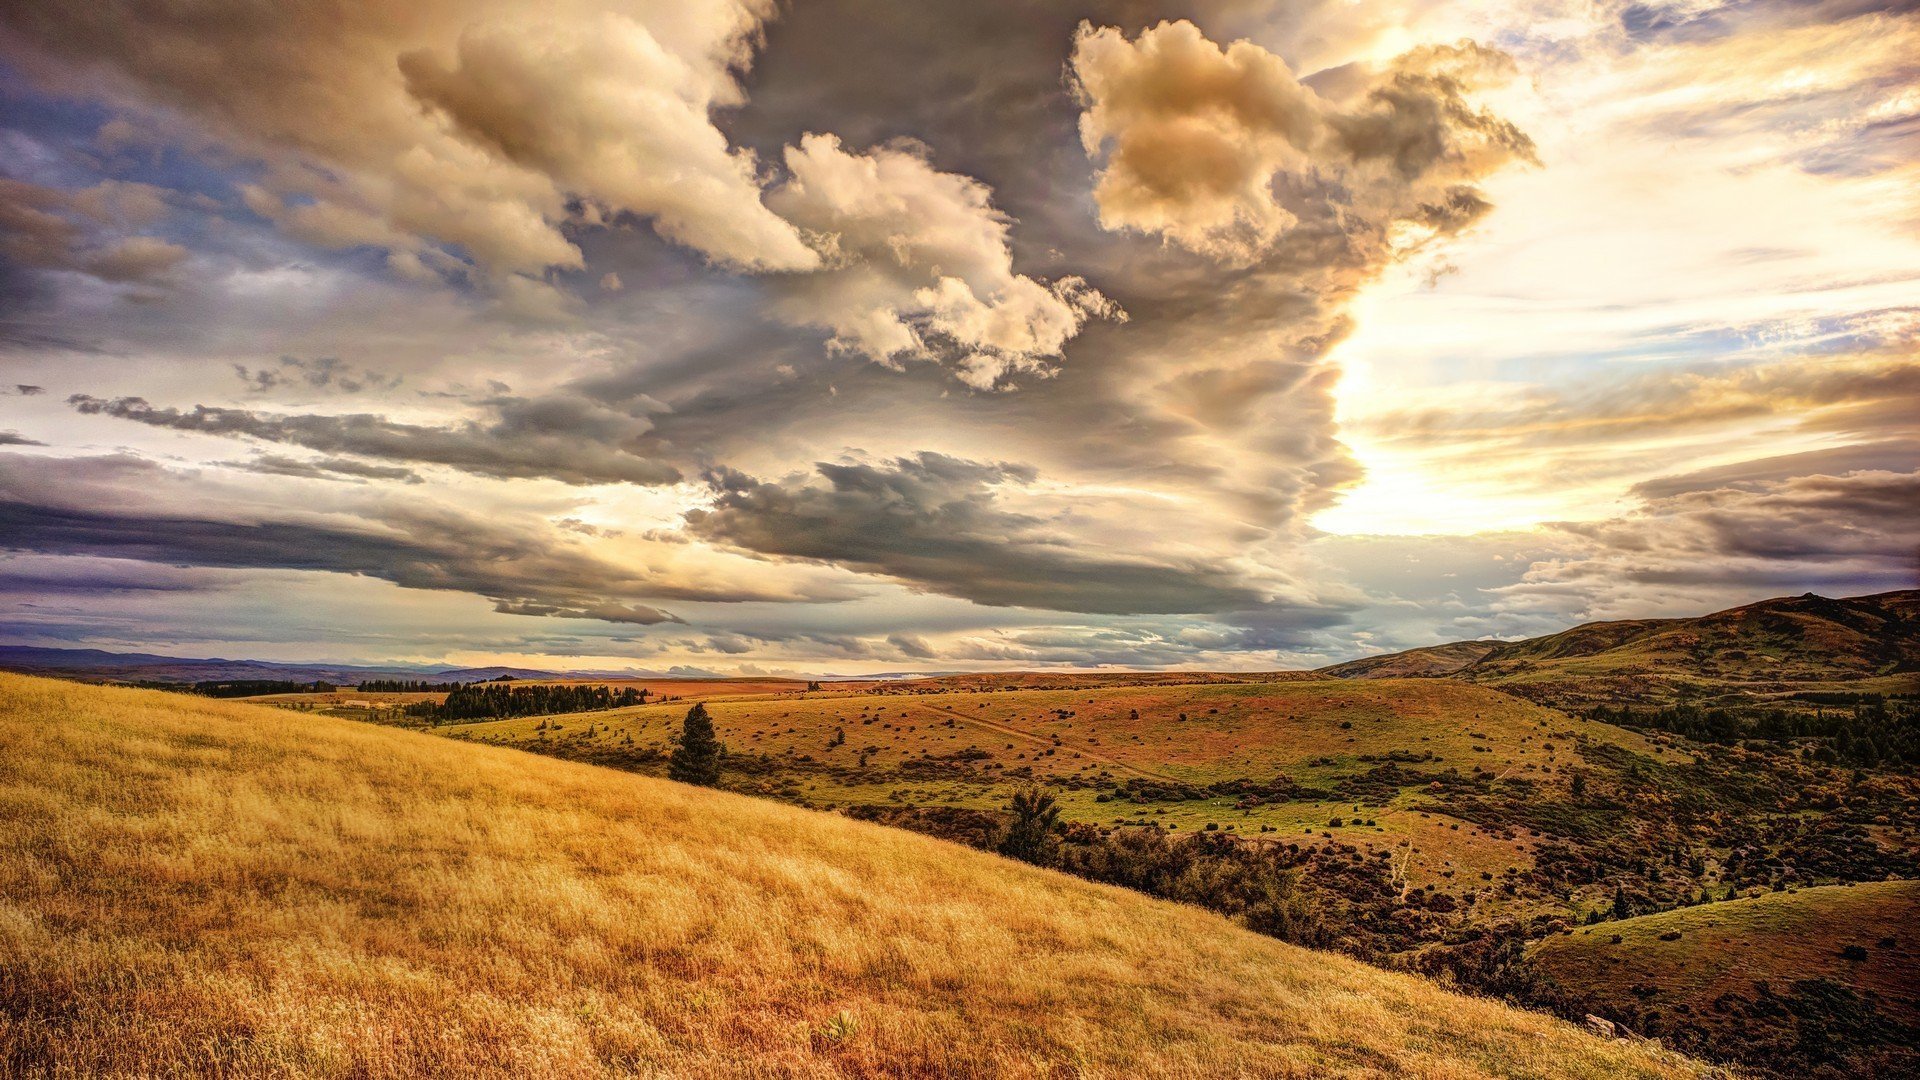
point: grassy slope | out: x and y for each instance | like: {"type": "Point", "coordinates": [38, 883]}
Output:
{"type": "Point", "coordinates": [194, 887]}
{"type": "Point", "coordinates": [1232, 731]}
{"type": "Point", "coordinates": [1775, 646]}
{"type": "Point", "coordinates": [1725, 948]}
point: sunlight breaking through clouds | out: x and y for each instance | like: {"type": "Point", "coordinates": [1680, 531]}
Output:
{"type": "Point", "coordinates": [857, 337]}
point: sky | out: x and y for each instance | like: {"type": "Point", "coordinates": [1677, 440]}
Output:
{"type": "Point", "coordinates": [848, 336]}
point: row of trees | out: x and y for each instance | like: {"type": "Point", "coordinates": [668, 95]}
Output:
{"type": "Point", "coordinates": [497, 701]}
{"type": "Point", "coordinates": [236, 688]}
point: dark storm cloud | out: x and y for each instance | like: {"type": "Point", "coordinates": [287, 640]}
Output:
{"type": "Point", "coordinates": [14, 438]}
{"type": "Point", "coordinates": [1725, 534]}
{"type": "Point", "coordinates": [560, 439]}
{"type": "Point", "coordinates": [35, 574]}
{"type": "Point", "coordinates": [415, 547]}
{"type": "Point", "coordinates": [323, 468]}
{"type": "Point", "coordinates": [1861, 515]}
{"type": "Point", "coordinates": [937, 523]}
{"type": "Point", "coordinates": [319, 373]}
{"type": "Point", "coordinates": [480, 565]}
{"type": "Point", "coordinates": [89, 231]}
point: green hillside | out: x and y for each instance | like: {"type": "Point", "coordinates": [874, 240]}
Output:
{"type": "Point", "coordinates": [1787, 652]}
{"type": "Point", "coordinates": [1784, 980]}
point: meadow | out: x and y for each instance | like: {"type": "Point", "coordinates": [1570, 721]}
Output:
{"type": "Point", "coordinates": [192, 887]}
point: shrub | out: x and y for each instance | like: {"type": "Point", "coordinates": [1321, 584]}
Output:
{"type": "Point", "coordinates": [1029, 837]}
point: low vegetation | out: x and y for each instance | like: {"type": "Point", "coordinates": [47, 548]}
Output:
{"type": "Point", "coordinates": [191, 887]}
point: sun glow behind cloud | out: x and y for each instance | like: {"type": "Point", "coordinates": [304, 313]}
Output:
{"type": "Point", "coordinates": [1703, 205]}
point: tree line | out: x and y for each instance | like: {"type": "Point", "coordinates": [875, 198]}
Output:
{"type": "Point", "coordinates": [237, 688]}
{"type": "Point", "coordinates": [1876, 731]}
{"type": "Point", "coordinates": [496, 701]}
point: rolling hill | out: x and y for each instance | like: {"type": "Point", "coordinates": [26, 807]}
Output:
{"type": "Point", "coordinates": [1285, 758]}
{"type": "Point", "coordinates": [1771, 649]}
{"type": "Point", "coordinates": [192, 887]}
{"type": "Point", "coordinates": [1836, 963]}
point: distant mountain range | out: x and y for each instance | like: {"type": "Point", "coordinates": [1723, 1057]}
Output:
{"type": "Point", "coordinates": [98, 665]}
{"type": "Point", "coordinates": [134, 667]}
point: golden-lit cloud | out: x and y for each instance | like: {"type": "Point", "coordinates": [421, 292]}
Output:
{"type": "Point", "coordinates": [450, 133]}
{"type": "Point", "coordinates": [1214, 147]}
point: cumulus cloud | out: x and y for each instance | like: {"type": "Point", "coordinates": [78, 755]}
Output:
{"type": "Point", "coordinates": [919, 266]}
{"type": "Point", "coordinates": [611, 112]}
{"type": "Point", "coordinates": [942, 524]}
{"type": "Point", "coordinates": [1220, 149]}
{"type": "Point", "coordinates": [572, 440]}
{"type": "Point", "coordinates": [448, 132]}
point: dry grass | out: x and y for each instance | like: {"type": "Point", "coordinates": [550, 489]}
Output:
{"type": "Point", "coordinates": [206, 888]}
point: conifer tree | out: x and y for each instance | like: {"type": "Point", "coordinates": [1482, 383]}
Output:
{"type": "Point", "coordinates": [696, 756]}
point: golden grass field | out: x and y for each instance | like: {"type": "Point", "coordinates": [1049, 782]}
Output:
{"type": "Point", "coordinates": [201, 888]}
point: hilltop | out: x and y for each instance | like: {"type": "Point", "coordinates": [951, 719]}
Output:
{"type": "Point", "coordinates": [1414, 663]}
{"type": "Point", "coordinates": [191, 886]}
{"type": "Point", "coordinates": [1773, 649]}
{"type": "Point", "coordinates": [1780, 980]}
